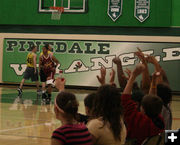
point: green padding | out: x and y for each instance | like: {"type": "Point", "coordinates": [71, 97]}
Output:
{"type": "Point", "coordinates": [175, 13]}
{"type": "Point", "coordinates": [59, 3]}
{"type": "Point", "coordinates": [76, 3]}
{"type": "Point", "coordinates": [47, 3]}
{"type": "Point", "coordinates": [25, 12]}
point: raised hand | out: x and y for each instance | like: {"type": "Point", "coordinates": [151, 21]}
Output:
{"type": "Point", "coordinates": [128, 72]}
{"type": "Point", "coordinates": [60, 83]}
{"type": "Point", "coordinates": [155, 75]}
{"type": "Point", "coordinates": [117, 60]}
{"type": "Point", "coordinates": [151, 59]}
{"type": "Point", "coordinates": [122, 79]}
{"type": "Point", "coordinates": [140, 55]}
{"type": "Point", "coordinates": [112, 77]}
{"type": "Point", "coordinates": [102, 76]}
{"type": "Point", "coordinates": [138, 70]}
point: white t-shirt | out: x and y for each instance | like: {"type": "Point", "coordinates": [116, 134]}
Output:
{"type": "Point", "coordinates": [103, 134]}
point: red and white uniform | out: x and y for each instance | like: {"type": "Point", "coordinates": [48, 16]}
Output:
{"type": "Point", "coordinates": [48, 66]}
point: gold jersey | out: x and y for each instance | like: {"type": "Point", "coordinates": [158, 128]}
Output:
{"type": "Point", "coordinates": [49, 52]}
{"type": "Point", "coordinates": [30, 59]}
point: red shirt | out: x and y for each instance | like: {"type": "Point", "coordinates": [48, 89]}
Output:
{"type": "Point", "coordinates": [139, 126]}
{"type": "Point", "coordinates": [48, 64]}
{"type": "Point", "coordinates": [75, 134]}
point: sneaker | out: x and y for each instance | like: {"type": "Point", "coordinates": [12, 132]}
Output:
{"type": "Point", "coordinates": [43, 102]}
{"type": "Point", "coordinates": [19, 91]}
{"type": "Point", "coordinates": [48, 101]}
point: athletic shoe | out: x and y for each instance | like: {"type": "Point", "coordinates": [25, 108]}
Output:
{"type": "Point", "coordinates": [44, 96]}
{"type": "Point", "coordinates": [48, 100]}
{"type": "Point", "coordinates": [19, 91]}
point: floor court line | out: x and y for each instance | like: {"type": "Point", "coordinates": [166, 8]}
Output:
{"type": "Point", "coordinates": [12, 129]}
{"type": "Point", "coordinates": [26, 136]}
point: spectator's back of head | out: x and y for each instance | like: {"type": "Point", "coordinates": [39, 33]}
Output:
{"type": "Point", "coordinates": [152, 105]}
{"type": "Point", "coordinates": [165, 93]}
{"type": "Point", "coordinates": [107, 104]}
{"type": "Point", "coordinates": [88, 103]}
{"type": "Point", "coordinates": [137, 96]}
{"type": "Point", "coordinates": [67, 102]}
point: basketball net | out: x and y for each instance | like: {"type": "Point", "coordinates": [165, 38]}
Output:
{"type": "Point", "coordinates": [57, 11]}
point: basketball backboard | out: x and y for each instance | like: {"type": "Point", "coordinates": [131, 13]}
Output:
{"type": "Point", "coordinates": [70, 6]}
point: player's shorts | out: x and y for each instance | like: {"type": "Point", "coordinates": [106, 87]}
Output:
{"type": "Point", "coordinates": [44, 76]}
{"type": "Point", "coordinates": [29, 74]}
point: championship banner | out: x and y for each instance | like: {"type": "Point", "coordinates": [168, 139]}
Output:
{"type": "Point", "coordinates": [142, 10]}
{"type": "Point", "coordinates": [115, 9]}
{"type": "Point", "coordinates": [81, 60]}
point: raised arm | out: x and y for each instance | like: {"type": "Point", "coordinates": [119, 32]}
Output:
{"type": "Point", "coordinates": [60, 84]}
{"type": "Point", "coordinates": [112, 77]}
{"type": "Point", "coordinates": [121, 76]}
{"type": "Point", "coordinates": [146, 81]}
{"type": "Point", "coordinates": [164, 76]}
{"type": "Point", "coordinates": [152, 59]}
{"type": "Point", "coordinates": [153, 88]}
{"type": "Point", "coordinates": [137, 71]}
{"type": "Point", "coordinates": [102, 77]}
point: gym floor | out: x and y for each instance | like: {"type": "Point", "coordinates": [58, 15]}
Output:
{"type": "Point", "coordinates": [25, 121]}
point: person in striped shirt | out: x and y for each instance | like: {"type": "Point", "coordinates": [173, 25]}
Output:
{"type": "Point", "coordinates": [71, 132]}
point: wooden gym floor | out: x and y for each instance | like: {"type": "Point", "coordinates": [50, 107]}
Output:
{"type": "Point", "coordinates": [25, 121]}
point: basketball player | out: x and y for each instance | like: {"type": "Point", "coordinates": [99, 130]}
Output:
{"type": "Point", "coordinates": [31, 70]}
{"type": "Point", "coordinates": [49, 49]}
{"type": "Point", "coordinates": [47, 63]}
{"type": "Point", "coordinates": [43, 81]}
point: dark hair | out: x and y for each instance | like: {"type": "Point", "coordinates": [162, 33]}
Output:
{"type": "Point", "coordinates": [107, 104]}
{"type": "Point", "coordinates": [68, 103]}
{"type": "Point", "coordinates": [89, 99]}
{"type": "Point", "coordinates": [152, 105]}
{"type": "Point", "coordinates": [137, 96]}
{"type": "Point", "coordinates": [46, 46]}
{"type": "Point", "coordinates": [32, 47]}
{"type": "Point", "coordinates": [165, 93]}
{"type": "Point", "coordinates": [135, 86]}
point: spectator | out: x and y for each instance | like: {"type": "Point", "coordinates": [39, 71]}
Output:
{"type": "Point", "coordinates": [108, 128]}
{"type": "Point", "coordinates": [70, 132]}
{"type": "Point", "coordinates": [88, 103]}
{"type": "Point", "coordinates": [164, 92]}
{"type": "Point", "coordinates": [148, 122]}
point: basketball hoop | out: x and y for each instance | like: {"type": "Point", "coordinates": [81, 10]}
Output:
{"type": "Point", "coordinates": [56, 13]}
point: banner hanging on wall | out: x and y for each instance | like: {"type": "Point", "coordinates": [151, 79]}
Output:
{"type": "Point", "coordinates": [81, 60]}
{"type": "Point", "coordinates": [115, 9]}
{"type": "Point", "coordinates": [142, 10]}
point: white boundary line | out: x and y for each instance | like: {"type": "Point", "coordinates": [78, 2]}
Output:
{"type": "Point", "coordinates": [12, 129]}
